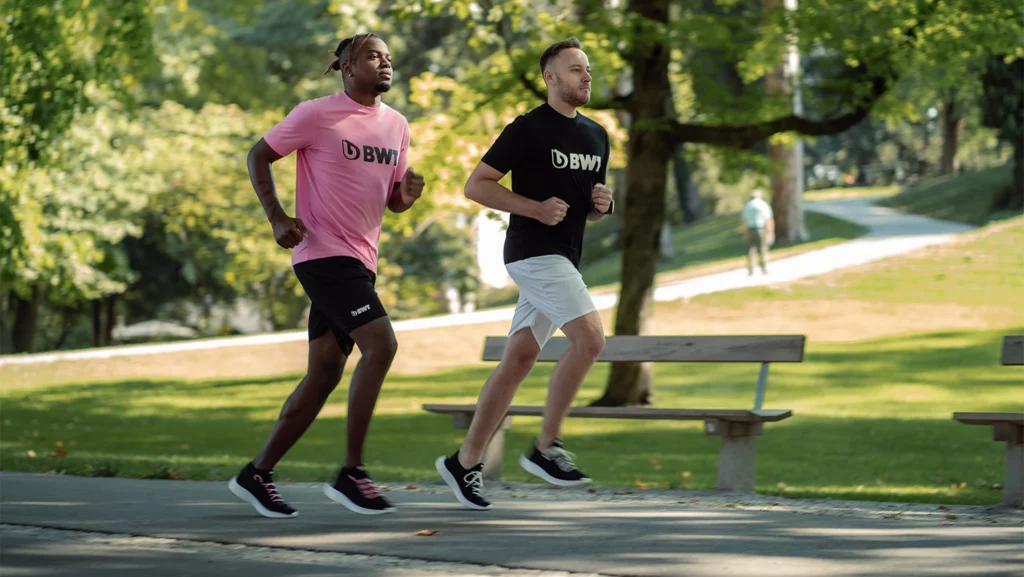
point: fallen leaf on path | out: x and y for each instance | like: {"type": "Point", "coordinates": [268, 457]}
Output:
{"type": "Point", "coordinates": [943, 508]}
{"type": "Point", "coordinates": [695, 500]}
{"type": "Point", "coordinates": [427, 532]}
{"type": "Point", "coordinates": [409, 487]}
{"type": "Point", "coordinates": [591, 491]}
{"type": "Point", "coordinates": [622, 492]}
{"type": "Point", "coordinates": [641, 484]}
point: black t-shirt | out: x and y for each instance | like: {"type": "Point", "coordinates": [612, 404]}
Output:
{"type": "Point", "coordinates": [550, 155]}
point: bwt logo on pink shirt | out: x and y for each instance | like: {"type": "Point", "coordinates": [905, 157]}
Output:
{"type": "Point", "coordinates": [368, 153]}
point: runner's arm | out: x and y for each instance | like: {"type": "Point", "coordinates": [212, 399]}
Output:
{"type": "Point", "coordinates": [483, 188]}
{"type": "Point", "coordinates": [260, 157]}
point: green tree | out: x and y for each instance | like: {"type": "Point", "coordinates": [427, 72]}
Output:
{"type": "Point", "coordinates": [57, 59]}
{"type": "Point", "coordinates": [639, 39]}
{"type": "Point", "coordinates": [1003, 109]}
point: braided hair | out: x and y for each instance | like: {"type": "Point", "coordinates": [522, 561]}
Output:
{"type": "Point", "coordinates": [347, 50]}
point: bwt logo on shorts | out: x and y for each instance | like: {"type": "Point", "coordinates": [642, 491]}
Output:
{"type": "Point", "coordinates": [368, 153]}
{"type": "Point", "coordinates": [575, 161]}
{"type": "Point", "coordinates": [360, 310]}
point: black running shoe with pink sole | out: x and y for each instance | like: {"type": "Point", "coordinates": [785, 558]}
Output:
{"type": "Point", "coordinates": [357, 493]}
{"type": "Point", "coordinates": [256, 487]}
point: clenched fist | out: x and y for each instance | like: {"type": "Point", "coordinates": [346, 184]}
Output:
{"type": "Point", "coordinates": [288, 231]}
{"type": "Point", "coordinates": [552, 211]}
{"type": "Point", "coordinates": [411, 186]}
{"type": "Point", "coordinates": [602, 197]}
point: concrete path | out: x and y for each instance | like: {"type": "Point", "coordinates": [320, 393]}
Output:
{"type": "Point", "coordinates": [891, 233]}
{"type": "Point", "coordinates": [56, 525]}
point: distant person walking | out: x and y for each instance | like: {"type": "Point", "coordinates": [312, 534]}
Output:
{"type": "Point", "coordinates": [758, 230]}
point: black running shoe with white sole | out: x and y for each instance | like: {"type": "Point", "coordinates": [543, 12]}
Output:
{"type": "Point", "coordinates": [357, 493]}
{"type": "Point", "coordinates": [256, 487]}
{"type": "Point", "coordinates": [555, 465]}
{"type": "Point", "coordinates": [465, 483]}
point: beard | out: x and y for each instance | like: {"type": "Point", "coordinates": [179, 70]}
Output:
{"type": "Point", "coordinates": [573, 97]}
{"type": "Point", "coordinates": [382, 86]}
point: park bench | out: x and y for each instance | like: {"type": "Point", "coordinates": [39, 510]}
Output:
{"type": "Point", "coordinates": [1007, 428]}
{"type": "Point", "coordinates": [738, 428]}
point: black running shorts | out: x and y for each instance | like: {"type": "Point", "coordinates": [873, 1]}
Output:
{"type": "Point", "coordinates": [343, 296]}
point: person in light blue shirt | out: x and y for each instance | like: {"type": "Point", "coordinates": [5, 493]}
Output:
{"type": "Point", "coordinates": [758, 230]}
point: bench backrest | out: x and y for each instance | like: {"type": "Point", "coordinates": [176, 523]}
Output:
{"type": "Point", "coordinates": [1013, 350]}
{"type": "Point", "coordinates": [713, 349]}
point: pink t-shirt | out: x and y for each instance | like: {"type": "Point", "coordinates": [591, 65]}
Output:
{"type": "Point", "coordinates": [349, 158]}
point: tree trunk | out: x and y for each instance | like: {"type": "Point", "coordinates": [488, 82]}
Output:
{"type": "Point", "coordinates": [111, 314]}
{"type": "Point", "coordinates": [103, 314]}
{"type": "Point", "coordinates": [26, 316]}
{"type": "Point", "coordinates": [68, 315]}
{"type": "Point", "coordinates": [690, 201]}
{"type": "Point", "coordinates": [649, 152]}
{"type": "Point", "coordinates": [6, 306]}
{"type": "Point", "coordinates": [787, 174]}
{"type": "Point", "coordinates": [952, 132]}
{"type": "Point", "coordinates": [1012, 197]}
{"type": "Point", "coordinates": [787, 192]}
{"type": "Point", "coordinates": [97, 323]}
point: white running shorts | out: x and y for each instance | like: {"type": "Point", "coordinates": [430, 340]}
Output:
{"type": "Point", "coordinates": [551, 293]}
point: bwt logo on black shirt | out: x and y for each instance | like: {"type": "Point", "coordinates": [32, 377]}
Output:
{"type": "Point", "coordinates": [575, 161]}
{"type": "Point", "coordinates": [368, 153]}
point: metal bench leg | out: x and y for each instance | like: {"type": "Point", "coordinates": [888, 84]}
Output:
{"type": "Point", "coordinates": [737, 459]}
{"type": "Point", "coordinates": [1013, 481]}
{"type": "Point", "coordinates": [762, 383]}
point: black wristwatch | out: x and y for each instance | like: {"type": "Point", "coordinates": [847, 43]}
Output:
{"type": "Point", "coordinates": [611, 207]}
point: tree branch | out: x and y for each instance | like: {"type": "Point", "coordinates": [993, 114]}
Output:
{"type": "Point", "coordinates": [744, 136]}
{"type": "Point", "coordinates": [530, 86]}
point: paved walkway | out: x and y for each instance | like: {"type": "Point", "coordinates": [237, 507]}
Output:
{"type": "Point", "coordinates": [56, 525]}
{"type": "Point", "coordinates": [891, 233]}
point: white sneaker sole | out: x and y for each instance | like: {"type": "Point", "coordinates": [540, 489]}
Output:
{"type": "Point", "coordinates": [339, 497]}
{"type": "Point", "coordinates": [536, 471]}
{"type": "Point", "coordinates": [450, 480]}
{"type": "Point", "coordinates": [246, 496]}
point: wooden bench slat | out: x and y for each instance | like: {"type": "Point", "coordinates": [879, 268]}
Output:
{"type": "Point", "coordinates": [735, 415]}
{"type": "Point", "coordinates": [1013, 350]}
{"type": "Point", "coordinates": [989, 418]}
{"type": "Point", "coordinates": [651, 348]}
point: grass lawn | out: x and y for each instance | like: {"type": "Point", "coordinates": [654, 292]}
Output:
{"type": "Point", "coordinates": [872, 415]}
{"type": "Point", "coordinates": [872, 421]}
{"type": "Point", "coordinates": [964, 198]}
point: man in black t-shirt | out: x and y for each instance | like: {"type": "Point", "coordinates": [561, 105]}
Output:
{"type": "Point", "coordinates": [559, 160]}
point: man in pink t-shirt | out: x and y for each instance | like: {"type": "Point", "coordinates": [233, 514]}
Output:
{"type": "Point", "coordinates": [351, 152]}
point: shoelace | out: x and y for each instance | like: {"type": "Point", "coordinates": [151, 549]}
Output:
{"type": "Point", "coordinates": [366, 487]}
{"type": "Point", "coordinates": [474, 481]}
{"type": "Point", "coordinates": [562, 458]}
{"type": "Point", "coordinates": [271, 490]}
